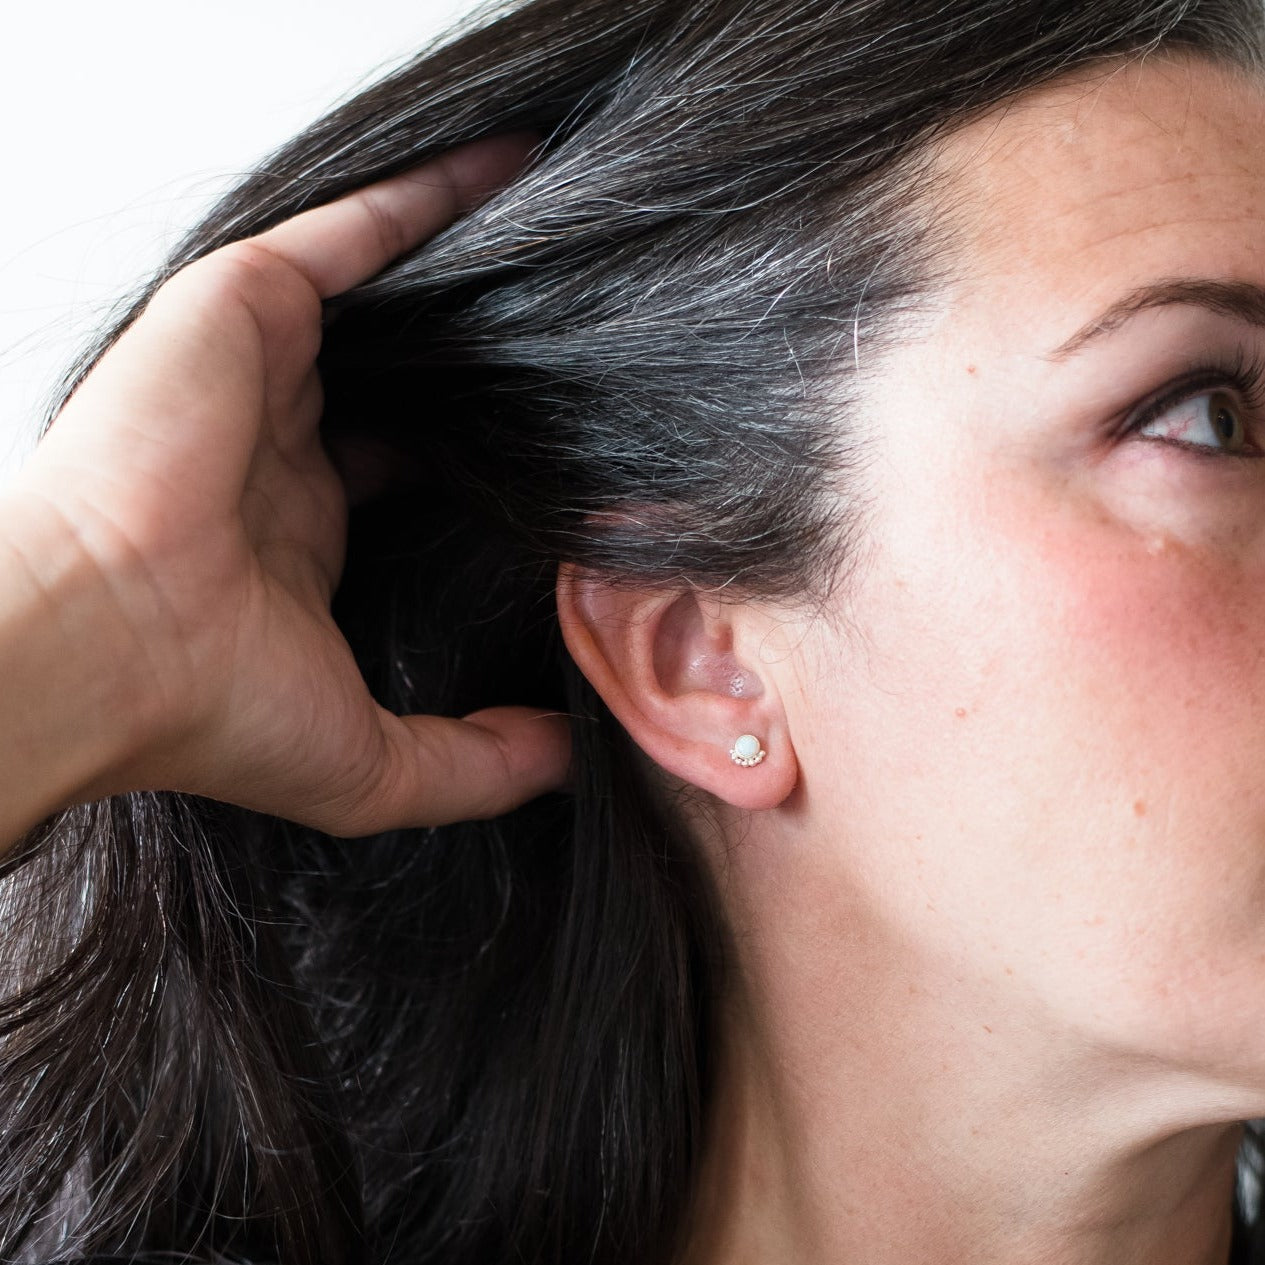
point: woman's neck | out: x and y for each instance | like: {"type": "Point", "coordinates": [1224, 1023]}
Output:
{"type": "Point", "coordinates": [869, 1109]}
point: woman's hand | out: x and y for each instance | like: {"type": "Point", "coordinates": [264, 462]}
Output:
{"type": "Point", "coordinates": [182, 530]}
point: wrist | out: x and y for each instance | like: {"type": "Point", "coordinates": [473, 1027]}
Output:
{"type": "Point", "coordinates": [72, 710]}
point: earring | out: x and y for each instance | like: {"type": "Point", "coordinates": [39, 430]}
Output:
{"type": "Point", "coordinates": [747, 751]}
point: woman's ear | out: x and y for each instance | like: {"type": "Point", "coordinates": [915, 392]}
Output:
{"type": "Point", "coordinates": [676, 671]}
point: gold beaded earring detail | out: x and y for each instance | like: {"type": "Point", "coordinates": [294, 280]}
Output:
{"type": "Point", "coordinates": [747, 751]}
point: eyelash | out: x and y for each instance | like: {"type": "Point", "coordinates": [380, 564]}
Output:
{"type": "Point", "coordinates": [1244, 375]}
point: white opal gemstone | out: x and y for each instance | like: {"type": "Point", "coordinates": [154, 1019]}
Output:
{"type": "Point", "coordinates": [748, 746]}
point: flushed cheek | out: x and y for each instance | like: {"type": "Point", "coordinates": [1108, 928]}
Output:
{"type": "Point", "coordinates": [1157, 713]}
{"type": "Point", "coordinates": [1139, 657]}
{"type": "Point", "coordinates": [1052, 729]}
{"type": "Point", "coordinates": [1158, 640]}
{"type": "Point", "coordinates": [1127, 598]}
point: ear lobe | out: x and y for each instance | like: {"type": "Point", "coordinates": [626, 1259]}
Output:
{"type": "Point", "coordinates": [677, 670]}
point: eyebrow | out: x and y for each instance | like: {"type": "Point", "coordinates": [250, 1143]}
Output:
{"type": "Point", "coordinates": [1240, 299]}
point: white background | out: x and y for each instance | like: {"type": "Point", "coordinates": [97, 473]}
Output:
{"type": "Point", "coordinates": [121, 122]}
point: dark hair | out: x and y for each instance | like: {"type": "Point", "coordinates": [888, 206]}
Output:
{"type": "Point", "coordinates": [234, 1038]}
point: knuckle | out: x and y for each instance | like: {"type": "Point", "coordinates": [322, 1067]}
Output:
{"type": "Point", "coordinates": [250, 279]}
{"type": "Point", "coordinates": [365, 799]}
{"type": "Point", "coordinates": [388, 232]}
{"type": "Point", "coordinates": [240, 268]}
{"type": "Point", "coordinates": [345, 817]}
{"type": "Point", "coordinates": [488, 783]}
{"type": "Point", "coordinates": [252, 275]}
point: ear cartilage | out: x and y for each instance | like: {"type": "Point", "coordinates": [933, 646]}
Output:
{"type": "Point", "coordinates": [747, 751]}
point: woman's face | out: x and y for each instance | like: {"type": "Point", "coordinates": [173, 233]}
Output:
{"type": "Point", "coordinates": [1034, 741]}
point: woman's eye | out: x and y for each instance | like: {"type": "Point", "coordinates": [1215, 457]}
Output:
{"type": "Point", "coordinates": [1212, 419]}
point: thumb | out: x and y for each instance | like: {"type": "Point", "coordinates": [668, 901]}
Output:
{"type": "Point", "coordinates": [439, 769]}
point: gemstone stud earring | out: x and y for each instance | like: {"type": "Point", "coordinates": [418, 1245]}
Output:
{"type": "Point", "coordinates": [747, 751]}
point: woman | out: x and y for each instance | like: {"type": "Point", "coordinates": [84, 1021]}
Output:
{"type": "Point", "coordinates": [849, 416]}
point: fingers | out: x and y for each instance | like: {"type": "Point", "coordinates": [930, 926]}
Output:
{"type": "Point", "coordinates": [492, 761]}
{"type": "Point", "coordinates": [227, 344]}
{"type": "Point", "coordinates": [347, 241]}
{"type": "Point", "coordinates": [440, 770]}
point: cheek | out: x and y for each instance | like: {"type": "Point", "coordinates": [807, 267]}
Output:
{"type": "Point", "coordinates": [1033, 627]}
{"type": "Point", "coordinates": [1052, 746]}
{"type": "Point", "coordinates": [1144, 864]}
{"type": "Point", "coordinates": [1151, 644]}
